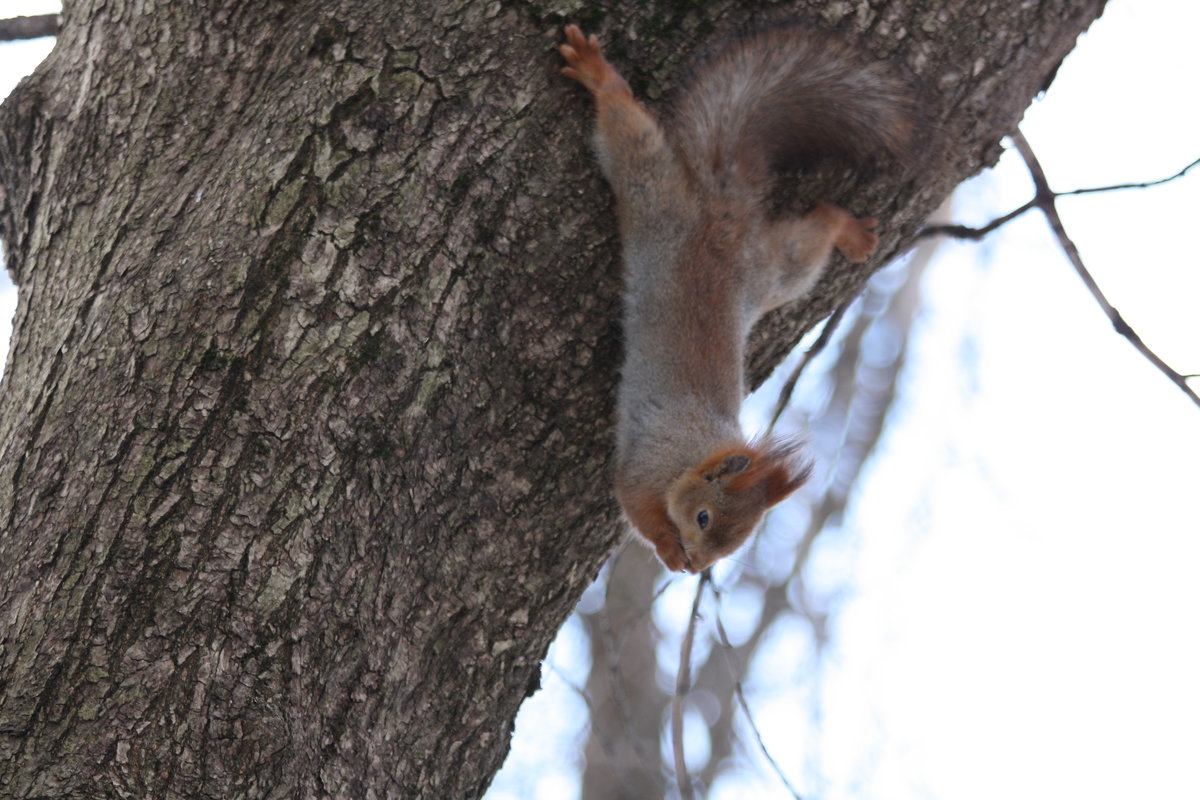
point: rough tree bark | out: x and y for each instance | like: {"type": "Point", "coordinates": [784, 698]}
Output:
{"type": "Point", "coordinates": [304, 428]}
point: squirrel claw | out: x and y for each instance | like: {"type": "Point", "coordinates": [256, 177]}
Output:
{"type": "Point", "coordinates": [672, 556]}
{"type": "Point", "coordinates": [586, 64]}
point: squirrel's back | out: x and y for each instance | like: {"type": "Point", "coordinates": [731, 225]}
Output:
{"type": "Point", "coordinates": [782, 96]}
{"type": "Point", "coordinates": [704, 259]}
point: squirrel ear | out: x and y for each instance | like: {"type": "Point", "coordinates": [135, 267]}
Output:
{"type": "Point", "coordinates": [733, 464]}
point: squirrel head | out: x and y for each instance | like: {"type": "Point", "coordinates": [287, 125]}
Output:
{"type": "Point", "coordinates": [717, 504]}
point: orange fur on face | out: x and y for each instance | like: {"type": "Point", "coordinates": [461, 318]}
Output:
{"type": "Point", "coordinates": [648, 513]}
{"type": "Point", "coordinates": [716, 506]}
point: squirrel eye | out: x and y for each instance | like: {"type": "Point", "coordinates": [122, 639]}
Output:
{"type": "Point", "coordinates": [702, 519]}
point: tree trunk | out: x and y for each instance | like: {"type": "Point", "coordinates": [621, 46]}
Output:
{"type": "Point", "coordinates": [623, 755]}
{"type": "Point", "coordinates": [305, 424]}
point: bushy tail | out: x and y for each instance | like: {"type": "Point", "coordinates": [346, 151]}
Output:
{"type": "Point", "coordinates": [784, 96]}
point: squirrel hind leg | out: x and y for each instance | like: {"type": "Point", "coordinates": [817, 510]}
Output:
{"type": "Point", "coordinates": [798, 249]}
{"type": "Point", "coordinates": [851, 235]}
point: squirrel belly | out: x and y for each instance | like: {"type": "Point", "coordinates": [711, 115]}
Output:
{"type": "Point", "coordinates": [703, 261]}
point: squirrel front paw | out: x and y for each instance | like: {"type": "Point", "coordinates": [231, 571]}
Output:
{"type": "Point", "coordinates": [586, 63]}
{"type": "Point", "coordinates": [672, 556]}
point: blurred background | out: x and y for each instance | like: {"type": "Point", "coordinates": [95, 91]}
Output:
{"type": "Point", "coordinates": [989, 589]}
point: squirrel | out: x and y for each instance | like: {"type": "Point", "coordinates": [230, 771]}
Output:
{"type": "Point", "coordinates": [703, 260]}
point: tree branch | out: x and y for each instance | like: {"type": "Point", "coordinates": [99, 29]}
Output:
{"type": "Point", "coordinates": [1044, 199]}
{"type": "Point", "coordinates": [1118, 186]}
{"type": "Point", "coordinates": [683, 681]}
{"type": "Point", "coordinates": [735, 670]}
{"type": "Point", "coordinates": [14, 28]}
{"type": "Point", "coordinates": [785, 393]}
{"type": "Point", "coordinates": [967, 232]}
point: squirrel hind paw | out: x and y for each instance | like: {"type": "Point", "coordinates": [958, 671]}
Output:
{"type": "Point", "coordinates": [857, 241]}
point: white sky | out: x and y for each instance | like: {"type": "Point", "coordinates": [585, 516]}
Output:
{"type": "Point", "coordinates": [1020, 612]}
{"type": "Point", "coordinates": [1025, 617]}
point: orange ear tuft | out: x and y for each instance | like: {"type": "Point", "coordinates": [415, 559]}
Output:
{"type": "Point", "coordinates": [782, 480]}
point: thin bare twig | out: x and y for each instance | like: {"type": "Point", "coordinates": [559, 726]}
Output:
{"type": "Point", "coordinates": [735, 671]}
{"type": "Point", "coordinates": [683, 685]}
{"type": "Point", "coordinates": [785, 394]}
{"type": "Point", "coordinates": [967, 232]}
{"type": "Point", "coordinates": [572, 685]}
{"type": "Point", "coordinates": [1118, 186]}
{"type": "Point", "coordinates": [1044, 199]}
